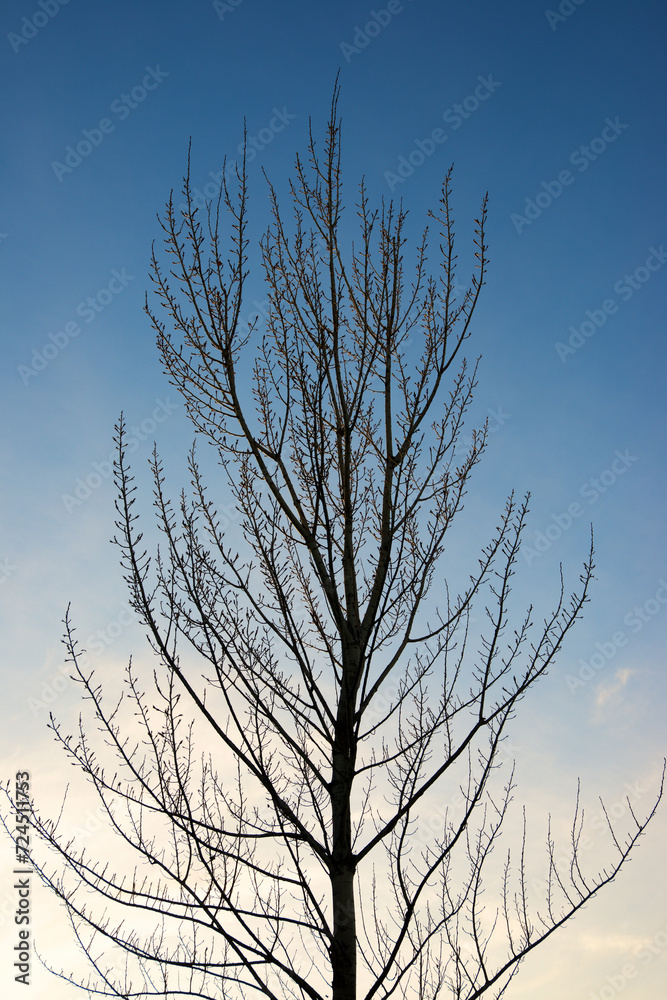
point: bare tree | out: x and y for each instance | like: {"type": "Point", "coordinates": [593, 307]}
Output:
{"type": "Point", "coordinates": [348, 699]}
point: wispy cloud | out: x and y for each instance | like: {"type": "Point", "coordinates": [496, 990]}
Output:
{"type": "Point", "coordinates": [622, 943]}
{"type": "Point", "coordinates": [607, 691]}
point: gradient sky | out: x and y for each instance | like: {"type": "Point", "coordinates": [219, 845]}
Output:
{"type": "Point", "coordinates": [561, 117]}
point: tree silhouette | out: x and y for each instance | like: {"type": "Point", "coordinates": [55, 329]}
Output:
{"type": "Point", "coordinates": [272, 795]}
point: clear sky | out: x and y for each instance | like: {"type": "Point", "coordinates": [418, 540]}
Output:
{"type": "Point", "coordinates": [560, 114]}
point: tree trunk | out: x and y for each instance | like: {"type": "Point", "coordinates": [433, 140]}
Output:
{"type": "Point", "coordinates": [344, 944]}
{"type": "Point", "coordinates": [344, 947]}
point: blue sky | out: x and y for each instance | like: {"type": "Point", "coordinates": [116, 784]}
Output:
{"type": "Point", "coordinates": [560, 114]}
